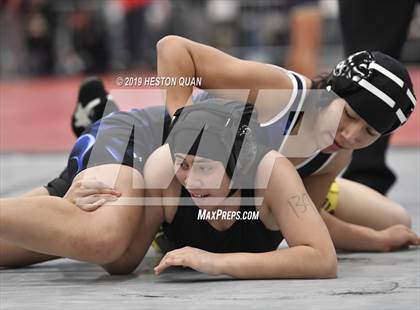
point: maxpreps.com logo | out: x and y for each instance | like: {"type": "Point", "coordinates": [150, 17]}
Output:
{"type": "Point", "coordinates": [219, 214]}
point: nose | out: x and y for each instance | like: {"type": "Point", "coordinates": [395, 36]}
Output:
{"type": "Point", "coordinates": [351, 132]}
{"type": "Point", "coordinates": [192, 181]}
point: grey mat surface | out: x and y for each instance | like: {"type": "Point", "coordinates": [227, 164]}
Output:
{"type": "Point", "coordinates": [365, 280]}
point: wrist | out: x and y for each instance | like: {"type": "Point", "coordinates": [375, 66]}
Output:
{"type": "Point", "coordinates": [220, 264]}
{"type": "Point", "coordinates": [378, 238]}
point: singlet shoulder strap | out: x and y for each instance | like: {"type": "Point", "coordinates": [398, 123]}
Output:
{"type": "Point", "coordinates": [296, 99]}
{"type": "Point", "coordinates": [315, 164]}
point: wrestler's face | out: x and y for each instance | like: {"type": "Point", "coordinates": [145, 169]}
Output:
{"type": "Point", "coordinates": [205, 179]}
{"type": "Point", "coordinates": [351, 132]}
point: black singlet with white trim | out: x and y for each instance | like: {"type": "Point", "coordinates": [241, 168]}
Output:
{"type": "Point", "coordinates": [242, 236]}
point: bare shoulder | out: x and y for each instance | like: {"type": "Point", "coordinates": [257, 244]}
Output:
{"type": "Point", "coordinates": [282, 186]}
{"type": "Point", "coordinates": [273, 164]}
{"type": "Point", "coordinates": [158, 170]}
{"type": "Point", "coordinates": [161, 183]}
{"type": "Point", "coordinates": [338, 162]}
{"type": "Point", "coordinates": [272, 173]}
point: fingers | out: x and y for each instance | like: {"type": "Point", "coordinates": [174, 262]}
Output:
{"type": "Point", "coordinates": [92, 206]}
{"type": "Point", "coordinates": [93, 183]}
{"type": "Point", "coordinates": [93, 202]}
{"type": "Point", "coordinates": [87, 192]}
{"type": "Point", "coordinates": [413, 238]}
{"type": "Point", "coordinates": [173, 258]}
{"type": "Point", "coordinates": [88, 187]}
{"type": "Point", "coordinates": [162, 266]}
{"type": "Point", "coordinates": [94, 186]}
{"type": "Point", "coordinates": [164, 263]}
{"type": "Point", "coordinates": [409, 237]}
{"type": "Point", "coordinates": [94, 198]}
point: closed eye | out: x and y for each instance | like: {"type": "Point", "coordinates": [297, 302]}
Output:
{"type": "Point", "coordinates": [205, 168]}
{"type": "Point", "coordinates": [370, 132]}
{"type": "Point", "coordinates": [348, 115]}
{"type": "Point", "coordinates": [182, 164]}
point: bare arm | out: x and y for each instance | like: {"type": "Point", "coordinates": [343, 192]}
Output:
{"type": "Point", "coordinates": [351, 237]}
{"type": "Point", "coordinates": [319, 184]}
{"type": "Point", "coordinates": [345, 236]}
{"type": "Point", "coordinates": [348, 236]}
{"type": "Point", "coordinates": [180, 57]}
{"type": "Point", "coordinates": [311, 253]}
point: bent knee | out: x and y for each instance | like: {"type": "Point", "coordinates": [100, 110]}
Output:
{"type": "Point", "coordinates": [402, 216]}
{"type": "Point", "coordinates": [109, 246]}
{"type": "Point", "coordinates": [394, 214]}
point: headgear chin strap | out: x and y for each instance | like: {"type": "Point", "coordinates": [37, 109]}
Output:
{"type": "Point", "coordinates": [377, 87]}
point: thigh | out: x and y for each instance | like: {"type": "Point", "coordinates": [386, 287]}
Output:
{"type": "Point", "coordinates": [125, 213]}
{"type": "Point", "coordinates": [101, 235]}
{"type": "Point", "coordinates": [149, 225]}
{"type": "Point", "coordinates": [14, 256]}
{"type": "Point", "coordinates": [359, 204]}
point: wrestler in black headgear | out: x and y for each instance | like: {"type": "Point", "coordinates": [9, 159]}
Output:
{"type": "Point", "coordinates": [221, 130]}
{"type": "Point", "coordinates": [377, 87]}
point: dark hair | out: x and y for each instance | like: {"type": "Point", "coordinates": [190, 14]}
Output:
{"type": "Point", "coordinates": [321, 81]}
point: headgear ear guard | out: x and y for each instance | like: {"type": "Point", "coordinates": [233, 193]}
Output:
{"type": "Point", "coordinates": [377, 87]}
{"type": "Point", "coordinates": [232, 123]}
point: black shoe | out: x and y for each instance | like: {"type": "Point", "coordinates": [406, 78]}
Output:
{"type": "Point", "coordinates": [91, 103]}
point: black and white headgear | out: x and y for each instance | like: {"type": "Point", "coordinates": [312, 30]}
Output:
{"type": "Point", "coordinates": [377, 87]}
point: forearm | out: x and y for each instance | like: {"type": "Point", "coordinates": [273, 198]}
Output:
{"type": "Point", "coordinates": [351, 237]}
{"type": "Point", "coordinates": [294, 262]}
{"type": "Point", "coordinates": [51, 225]}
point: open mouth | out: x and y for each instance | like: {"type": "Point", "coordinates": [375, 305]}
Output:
{"type": "Point", "coordinates": [198, 195]}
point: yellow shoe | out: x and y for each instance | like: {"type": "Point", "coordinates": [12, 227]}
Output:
{"type": "Point", "coordinates": [161, 244]}
{"type": "Point", "coordinates": [331, 202]}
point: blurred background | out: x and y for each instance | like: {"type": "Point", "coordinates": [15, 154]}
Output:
{"type": "Point", "coordinates": [68, 37]}
{"type": "Point", "coordinates": [48, 46]}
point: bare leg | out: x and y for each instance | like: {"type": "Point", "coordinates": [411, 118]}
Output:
{"type": "Point", "coordinates": [359, 204]}
{"type": "Point", "coordinates": [56, 227]}
{"type": "Point", "coordinates": [149, 225]}
{"type": "Point", "coordinates": [14, 256]}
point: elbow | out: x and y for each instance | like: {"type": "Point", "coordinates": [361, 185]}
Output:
{"type": "Point", "coordinates": [323, 263]}
{"type": "Point", "coordinates": [167, 42]}
{"type": "Point", "coordinates": [327, 265]}
{"type": "Point", "coordinates": [330, 269]}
